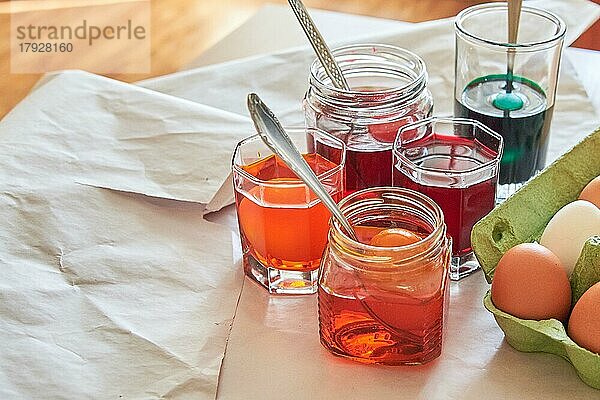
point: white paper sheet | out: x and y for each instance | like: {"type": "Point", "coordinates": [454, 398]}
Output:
{"type": "Point", "coordinates": [104, 293]}
{"type": "Point", "coordinates": [116, 135]}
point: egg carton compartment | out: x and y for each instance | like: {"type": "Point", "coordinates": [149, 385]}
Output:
{"type": "Point", "coordinates": [522, 218]}
{"type": "Point", "coordinates": [546, 336]}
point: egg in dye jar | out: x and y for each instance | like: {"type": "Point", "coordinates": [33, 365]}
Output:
{"type": "Point", "coordinates": [394, 237]}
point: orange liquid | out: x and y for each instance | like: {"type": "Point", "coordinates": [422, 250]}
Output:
{"type": "Point", "coordinates": [373, 323]}
{"type": "Point", "coordinates": [283, 227]}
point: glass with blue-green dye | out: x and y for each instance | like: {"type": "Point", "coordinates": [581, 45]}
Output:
{"type": "Point", "coordinates": [518, 104]}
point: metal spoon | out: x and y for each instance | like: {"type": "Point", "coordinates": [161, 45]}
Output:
{"type": "Point", "coordinates": [332, 69]}
{"type": "Point", "coordinates": [274, 136]}
{"type": "Point", "coordinates": [514, 15]}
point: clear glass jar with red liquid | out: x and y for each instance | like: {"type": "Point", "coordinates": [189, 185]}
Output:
{"type": "Point", "coordinates": [454, 161]}
{"type": "Point", "coordinates": [383, 301]}
{"type": "Point", "coordinates": [388, 90]}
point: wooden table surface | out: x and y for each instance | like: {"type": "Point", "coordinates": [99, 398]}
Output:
{"type": "Point", "coordinates": [182, 29]}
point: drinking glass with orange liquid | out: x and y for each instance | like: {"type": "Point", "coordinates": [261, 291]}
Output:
{"type": "Point", "coordinates": [283, 225]}
{"type": "Point", "coordinates": [383, 299]}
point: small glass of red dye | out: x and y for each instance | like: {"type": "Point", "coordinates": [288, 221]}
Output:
{"type": "Point", "coordinates": [388, 89]}
{"type": "Point", "coordinates": [383, 299]}
{"type": "Point", "coordinates": [283, 225]}
{"type": "Point", "coordinates": [455, 162]}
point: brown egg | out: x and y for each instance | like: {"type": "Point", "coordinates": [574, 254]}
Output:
{"type": "Point", "coordinates": [591, 192]}
{"type": "Point", "coordinates": [584, 323]}
{"type": "Point", "coordinates": [530, 283]}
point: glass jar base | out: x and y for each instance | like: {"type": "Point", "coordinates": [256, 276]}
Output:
{"type": "Point", "coordinates": [281, 281]}
{"type": "Point", "coordinates": [391, 361]}
{"type": "Point", "coordinates": [463, 266]}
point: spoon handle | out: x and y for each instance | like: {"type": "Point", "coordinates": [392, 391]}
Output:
{"type": "Point", "coordinates": [274, 136]}
{"type": "Point", "coordinates": [332, 69]}
{"type": "Point", "coordinates": [514, 15]}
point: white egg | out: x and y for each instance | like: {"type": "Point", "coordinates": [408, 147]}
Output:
{"type": "Point", "coordinates": [568, 230]}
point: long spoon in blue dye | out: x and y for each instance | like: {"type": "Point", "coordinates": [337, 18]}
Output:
{"type": "Point", "coordinates": [509, 101]}
{"type": "Point", "coordinates": [514, 16]}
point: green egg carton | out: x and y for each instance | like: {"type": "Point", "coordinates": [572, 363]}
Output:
{"type": "Point", "coordinates": [547, 336]}
{"type": "Point", "coordinates": [522, 218]}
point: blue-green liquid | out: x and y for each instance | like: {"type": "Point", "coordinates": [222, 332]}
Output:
{"type": "Point", "coordinates": [525, 130]}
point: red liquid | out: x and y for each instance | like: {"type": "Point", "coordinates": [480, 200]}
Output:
{"type": "Point", "coordinates": [363, 168]}
{"type": "Point", "coordinates": [462, 206]}
{"type": "Point", "coordinates": [371, 320]}
{"type": "Point", "coordinates": [368, 154]}
{"type": "Point", "coordinates": [278, 227]}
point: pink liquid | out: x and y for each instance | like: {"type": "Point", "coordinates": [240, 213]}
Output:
{"type": "Point", "coordinates": [462, 206]}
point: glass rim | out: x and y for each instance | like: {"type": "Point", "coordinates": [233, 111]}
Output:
{"type": "Point", "coordinates": [316, 66]}
{"type": "Point", "coordinates": [287, 182]}
{"type": "Point", "coordinates": [450, 120]}
{"type": "Point", "coordinates": [469, 11]}
{"type": "Point", "coordinates": [440, 226]}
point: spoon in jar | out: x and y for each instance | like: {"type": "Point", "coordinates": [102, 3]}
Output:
{"type": "Point", "coordinates": [330, 65]}
{"type": "Point", "coordinates": [510, 101]}
{"type": "Point", "coordinates": [332, 69]}
{"type": "Point", "coordinates": [275, 137]}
